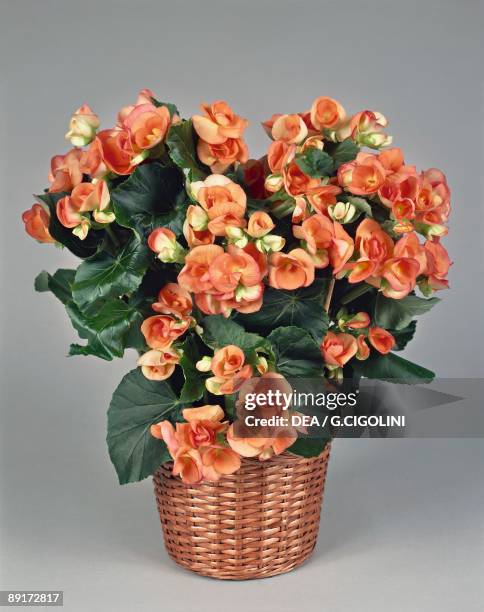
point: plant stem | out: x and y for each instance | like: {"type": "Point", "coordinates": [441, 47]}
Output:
{"type": "Point", "coordinates": [112, 235]}
{"type": "Point", "coordinates": [329, 294]}
{"type": "Point", "coordinates": [355, 293]}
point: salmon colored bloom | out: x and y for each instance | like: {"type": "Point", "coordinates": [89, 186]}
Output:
{"type": "Point", "coordinates": [298, 183]}
{"type": "Point", "coordinates": [432, 203]}
{"type": "Point", "coordinates": [326, 113]}
{"type": "Point", "coordinates": [187, 463]}
{"type": "Point", "coordinates": [323, 197]}
{"type": "Point", "coordinates": [279, 155]}
{"type": "Point", "coordinates": [218, 123]}
{"type": "Point", "coordinates": [36, 221]}
{"type": "Point", "coordinates": [223, 200]}
{"type": "Point", "coordinates": [409, 246]}
{"type": "Point", "coordinates": [220, 156]}
{"type": "Point", "coordinates": [338, 349]}
{"type": "Point", "coordinates": [208, 412]}
{"type": "Point", "coordinates": [363, 351]}
{"type": "Point", "coordinates": [147, 125]}
{"type": "Point", "coordinates": [229, 369]}
{"type": "Point", "coordinates": [219, 461]}
{"type": "Point", "coordinates": [82, 126]}
{"type": "Point", "coordinates": [391, 159]}
{"type": "Point", "coordinates": [438, 265]}
{"type": "Point", "coordinates": [195, 275]}
{"type": "Point", "coordinates": [159, 364]}
{"type": "Point", "coordinates": [263, 448]}
{"type": "Point", "coordinates": [291, 270]}
{"type": "Point", "coordinates": [381, 339]}
{"type": "Point", "coordinates": [65, 171]}
{"type": "Point", "coordinates": [172, 299]}
{"type": "Point", "coordinates": [290, 129]}
{"type": "Point", "coordinates": [160, 331]}
{"type": "Point", "coordinates": [400, 274]}
{"type": "Point", "coordinates": [360, 320]}
{"type": "Point", "coordinates": [317, 232]}
{"type": "Point", "coordinates": [116, 150]}
{"type": "Point", "coordinates": [260, 224]}
{"type": "Point", "coordinates": [341, 249]}
{"type": "Point", "coordinates": [374, 245]}
{"type": "Point", "coordinates": [230, 269]}
{"type": "Point", "coordinates": [367, 127]}
{"type": "Point", "coordinates": [268, 123]}
{"type": "Point", "coordinates": [363, 176]}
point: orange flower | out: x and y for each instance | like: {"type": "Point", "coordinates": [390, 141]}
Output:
{"type": "Point", "coordinates": [161, 330]}
{"type": "Point", "coordinates": [433, 199]}
{"type": "Point", "coordinates": [36, 221]}
{"type": "Point", "coordinates": [409, 246]}
{"type": "Point", "coordinates": [116, 150]}
{"type": "Point", "coordinates": [159, 365]}
{"type": "Point", "coordinates": [263, 448]}
{"type": "Point", "coordinates": [260, 224]}
{"type": "Point", "coordinates": [220, 156]}
{"type": "Point", "coordinates": [218, 123]}
{"type": "Point", "coordinates": [188, 465]}
{"type": "Point", "coordinates": [326, 113]}
{"type": "Point", "coordinates": [208, 412]}
{"type": "Point", "coordinates": [279, 155]}
{"type": "Point", "coordinates": [147, 125]}
{"type": "Point", "coordinates": [172, 299]}
{"type": "Point", "coordinates": [338, 349]}
{"type": "Point", "coordinates": [381, 339]}
{"type": "Point", "coordinates": [195, 275]}
{"type": "Point", "coordinates": [400, 274]}
{"type": "Point", "coordinates": [162, 241]}
{"type": "Point", "coordinates": [391, 159]}
{"type": "Point", "coordinates": [360, 320]}
{"type": "Point", "coordinates": [65, 172]}
{"type": "Point", "coordinates": [228, 270]}
{"type": "Point", "coordinates": [219, 461]}
{"type": "Point", "coordinates": [317, 231]}
{"type": "Point", "coordinates": [223, 200]}
{"type": "Point", "coordinates": [438, 265]}
{"type": "Point", "coordinates": [363, 348]}
{"type": "Point", "coordinates": [291, 129]}
{"type": "Point", "coordinates": [291, 270]}
{"type": "Point", "coordinates": [228, 366]}
{"type": "Point", "coordinates": [341, 249]}
{"type": "Point", "coordinates": [363, 176]}
{"type": "Point", "coordinates": [374, 245]}
{"type": "Point", "coordinates": [323, 197]}
{"type": "Point", "coordinates": [296, 182]}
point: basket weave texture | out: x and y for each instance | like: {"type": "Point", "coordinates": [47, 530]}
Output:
{"type": "Point", "coordinates": [261, 521]}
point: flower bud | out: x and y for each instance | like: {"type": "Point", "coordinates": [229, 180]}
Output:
{"type": "Point", "coordinates": [82, 229]}
{"type": "Point", "coordinates": [197, 218]}
{"type": "Point", "coordinates": [274, 182]}
{"type": "Point", "coordinates": [162, 241]}
{"type": "Point", "coordinates": [343, 212]}
{"type": "Point", "coordinates": [358, 321]}
{"type": "Point", "coordinates": [262, 365]}
{"type": "Point", "coordinates": [430, 231]}
{"type": "Point", "coordinates": [270, 243]}
{"type": "Point", "coordinates": [236, 235]}
{"type": "Point", "coordinates": [82, 126]}
{"type": "Point", "coordinates": [204, 365]}
{"type": "Point", "coordinates": [260, 224]}
{"type": "Point", "coordinates": [315, 142]}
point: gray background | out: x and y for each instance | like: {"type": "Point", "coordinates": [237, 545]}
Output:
{"type": "Point", "coordinates": [403, 525]}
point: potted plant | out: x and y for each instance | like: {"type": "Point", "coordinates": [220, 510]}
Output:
{"type": "Point", "coordinates": [219, 269]}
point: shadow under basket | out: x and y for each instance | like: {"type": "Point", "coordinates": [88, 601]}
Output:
{"type": "Point", "coordinates": [259, 522]}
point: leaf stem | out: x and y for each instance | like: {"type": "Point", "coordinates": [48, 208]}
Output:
{"type": "Point", "coordinates": [355, 293]}
{"type": "Point", "coordinates": [329, 294]}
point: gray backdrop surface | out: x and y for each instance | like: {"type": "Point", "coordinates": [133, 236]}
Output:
{"type": "Point", "coordinates": [403, 518]}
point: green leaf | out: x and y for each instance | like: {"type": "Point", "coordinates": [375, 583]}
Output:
{"type": "Point", "coordinates": [308, 447]}
{"type": "Point", "coordinates": [403, 336]}
{"type": "Point", "coordinates": [103, 276]}
{"type": "Point", "coordinates": [59, 283]}
{"type": "Point", "coordinates": [137, 403]}
{"type": "Point", "coordinates": [345, 151]}
{"type": "Point", "coordinates": [153, 196]}
{"type": "Point", "coordinates": [107, 332]}
{"type": "Point", "coordinates": [172, 109]}
{"type": "Point", "coordinates": [219, 332]}
{"type": "Point", "coordinates": [296, 353]}
{"type": "Point", "coordinates": [80, 248]}
{"type": "Point", "coordinates": [315, 163]}
{"type": "Point", "coordinates": [303, 308]}
{"type": "Point", "coordinates": [194, 385]}
{"type": "Point", "coordinates": [182, 150]}
{"type": "Point", "coordinates": [392, 368]}
{"type": "Point", "coordinates": [397, 314]}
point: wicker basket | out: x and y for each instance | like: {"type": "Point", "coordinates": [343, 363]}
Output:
{"type": "Point", "coordinates": [261, 521]}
